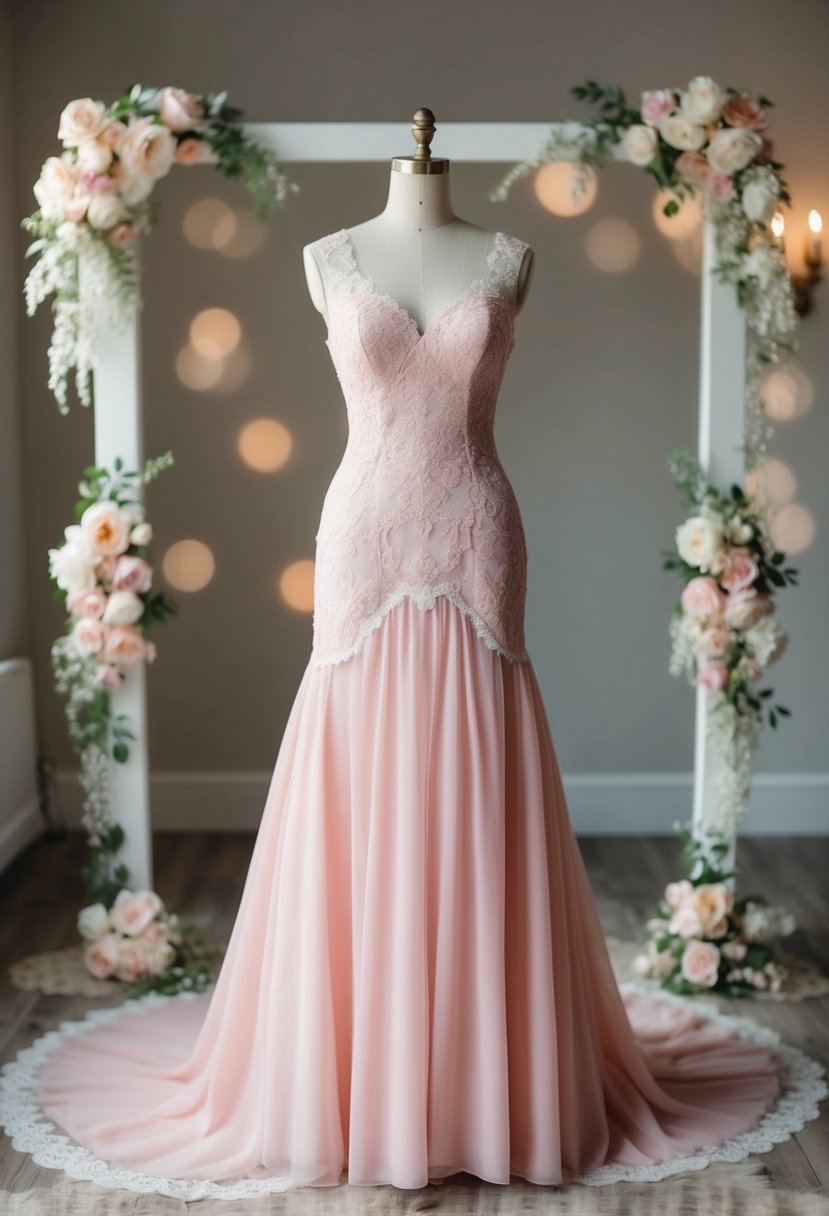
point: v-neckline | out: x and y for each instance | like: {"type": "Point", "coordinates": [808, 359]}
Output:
{"type": "Point", "coordinates": [370, 288]}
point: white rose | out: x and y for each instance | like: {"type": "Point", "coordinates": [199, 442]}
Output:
{"type": "Point", "coordinates": [123, 608]}
{"type": "Point", "coordinates": [55, 186]}
{"type": "Point", "coordinates": [93, 922]}
{"type": "Point", "coordinates": [698, 540]}
{"type": "Point", "coordinates": [94, 157]}
{"type": "Point", "coordinates": [141, 534]}
{"type": "Point", "coordinates": [732, 148]}
{"type": "Point", "coordinates": [703, 101]}
{"type": "Point", "coordinates": [640, 144]}
{"type": "Point", "coordinates": [680, 132]}
{"type": "Point", "coordinates": [105, 210]}
{"type": "Point", "coordinates": [147, 149]}
{"type": "Point", "coordinates": [760, 197]}
{"type": "Point", "coordinates": [80, 120]}
{"type": "Point", "coordinates": [72, 569]}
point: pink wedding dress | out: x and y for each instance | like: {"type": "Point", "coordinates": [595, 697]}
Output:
{"type": "Point", "coordinates": [417, 981]}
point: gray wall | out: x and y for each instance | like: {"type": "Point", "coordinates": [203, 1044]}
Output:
{"type": "Point", "coordinates": [601, 384]}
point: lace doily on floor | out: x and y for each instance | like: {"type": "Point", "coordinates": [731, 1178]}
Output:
{"type": "Point", "coordinates": [31, 1132]}
{"type": "Point", "coordinates": [803, 979]}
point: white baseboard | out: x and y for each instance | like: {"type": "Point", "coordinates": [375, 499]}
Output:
{"type": "Point", "coordinates": [612, 804]}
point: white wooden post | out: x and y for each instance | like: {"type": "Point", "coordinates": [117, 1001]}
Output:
{"type": "Point", "coordinates": [721, 435]}
{"type": "Point", "coordinates": [118, 432]}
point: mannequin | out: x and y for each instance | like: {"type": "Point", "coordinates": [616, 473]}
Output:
{"type": "Point", "coordinates": [417, 250]}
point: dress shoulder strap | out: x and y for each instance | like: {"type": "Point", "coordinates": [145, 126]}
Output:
{"type": "Point", "coordinates": [337, 256]}
{"type": "Point", "coordinates": [503, 263]}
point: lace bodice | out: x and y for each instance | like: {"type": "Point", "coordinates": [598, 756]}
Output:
{"type": "Point", "coordinates": [420, 505]}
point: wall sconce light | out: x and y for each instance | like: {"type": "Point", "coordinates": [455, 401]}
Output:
{"type": "Point", "coordinates": [804, 284]}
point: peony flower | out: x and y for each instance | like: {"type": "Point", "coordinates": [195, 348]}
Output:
{"type": "Point", "coordinates": [739, 570]}
{"type": "Point", "coordinates": [105, 529]}
{"type": "Point", "coordinates": [141, 534]}
{"type": "Point", "coordinates": [713, 676]}
{"type": "Point", "coordinates": [132, 911]}
{"type": "Point", "coordinates": [694, 168]}
{"type": "Point", "coordinates": [697, 540]}
{"type": "Point", "coordinates": [732, 148]}
{"type": "Point", "coordinates": [147, 149]}
{"type": "Point", "coordinates": [714, 641]}
{"type": "Point", "coordinates": [125, 644]}
{"type": "Point", "coordinates": [132, 574]}
{"type": "Point", "coordinates": [87, 603]}
{"type": "Point", "coordinates": [702, 598]}
{"type": "Point", "coordinates": [720, 187]}
{"type": "Point", "coordinates": [680, 132]}
{"type": "Point", "coordinates": [93, 922]}
{"type": "Point", "coordinates": [640, 143]}
{"type": "Point", "coordinates": [72, 569]}
{"type": "Point", "coordinates": [703, 100]}
{"type": "Point", "coordinates": [745, 112]}
{"type": "Point", "coordinates": [88, 635]}
{"type": "Point", "coordinates": [180, 111]}
{"type": "Point", "coordinates": [81, 120]}
{"type": "Point", "coordinates": [190, 151]}
{"type": "Point", "coordinates": [101, 956]}
{"type": "Point", "coordinates": [105, 210]}
{"type": "Point", "coordinates": [701, 963]}
{"type": "Point", "coordinates": [123, 608]}
{"type": "Point", "coordinates": [656, 105]}
{"type": "Point", "coordinates": [745, 608]}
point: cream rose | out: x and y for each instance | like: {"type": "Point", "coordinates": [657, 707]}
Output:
{"type": "Point", "coordinates": [94, 157]}
{"type": "Point", "coordinates": [132, 963]}
{"type": "Point", "coordinates": [93, 922]}
{"type": "Point", "coordinates": [81, 119]}
{"type": "Point", "coordinates": [732, 148]}
{"type": "Point", "coordinates": [640, 144]}
{"type": "Point", "coordinates": [124, 644]}
{"type": "Point", "coordinates": [180, 111]}
{"type": "Point", "coordinates": [101, 956]}
{"type": "Point", "coordinates": [711, 902]}
{"type": "Point", "coordinates": [106, 529]}
{"type": "Point", "coordinates": [701, 963]}
{"type": "Point", "coordinates": [685, 921]}
{"type": "Point", "coordinates": [55, 187]}
{"type": "Point", "coordinates": [132, 911]}
{"type": "Point", "coordinates": [697, 540]}
{"type": "Point", "coordinates": [678, 131]}
{"type": "Point", "coordinates": [88, 634]}
{"type": "Point", "coordinates": [703, 100]}
{"type": "Point", "coordinates": [105, 210]}
{"type": "Point", "coordinates": [147, 149]}
{"type": "Point", "coordinates": [123, 608]}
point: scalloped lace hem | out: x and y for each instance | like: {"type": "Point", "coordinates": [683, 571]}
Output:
{"type": "Point", "coordinates": [803, 1087]}
{"type": "Point", "coordinates": [423, 596]}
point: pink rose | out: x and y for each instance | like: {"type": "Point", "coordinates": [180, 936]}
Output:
{"type": "Point", "coordinates": [720, 187]}
{"type": "Point", "coordinates": [101, 956]}
{"type": "Point", "coordinates": [685, 921]}
{"type": "Point", "coordinates": [714, 641]}
{"type": "Point", "coordinates": [159, 957]}
{"type": "Point", "coordinates": [702, 597]}
{"type": "Point", "coordinates": [190, 151]}
{"type": "Point", "coordinates": [712, 902]}
{"type": "Point", "coordinates": [88, 634]}
{"type": "Point", "coordinates": [133, 963]}
{"type": "Point", "coordinates": [701, 963]}
{"type": "Point", "coordinates": [739, 571]}
{"type": "Point", "coordinates": [180, 111]}
{"type": "Point", "coordinates": [694, 168]}
{"type": "Point", "coordinates": [125, 644]}
{"type": "Point", "coordinates": [108, 675]}
{"type": "Point", "coordinates": [154, 932]}
{"type": "Point", "coordinates": [713, 676]}
{"type": "Point", "coordinates": [87, 603]}
{"type": "Point", "coordinates": [656, 105]}
{"type": "Point", "coordinates": [132, 574]}
{"type": "Point", "coordinates": [744, 112]}
{"type": "Point", "coordinates": [745, 608]}
{"type": "Point", "coordinates": [133, 911]}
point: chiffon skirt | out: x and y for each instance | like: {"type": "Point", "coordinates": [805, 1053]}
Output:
{"type": "Point", "coordinates": [417, 981]}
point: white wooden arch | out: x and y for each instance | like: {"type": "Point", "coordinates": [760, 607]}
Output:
{"type": "Point", "coordinates": [118, 417]}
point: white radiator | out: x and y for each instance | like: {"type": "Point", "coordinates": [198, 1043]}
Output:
{"type": "Point", "coordinates": [20, 819]}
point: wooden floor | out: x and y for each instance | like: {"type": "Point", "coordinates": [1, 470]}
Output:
{"type": "Point", "coordinates": [201, 877]}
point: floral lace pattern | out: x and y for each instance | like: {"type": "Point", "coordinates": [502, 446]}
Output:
{"type": "Point", "coordinates": [802, 1088]}
{"type": "Point", "coordinates": [420, 504]}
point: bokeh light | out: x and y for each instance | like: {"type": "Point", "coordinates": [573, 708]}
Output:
{"type": "Point", "coordinates": [792, 528]}
{"type": "Point", "coordinates": [684, 223]}
{"type": "Point", "coordinates": [564, 189]}
{"type": "Point", "coordinates": [689, 252]}
{"type": "Point", "coordinates": [215, 332]}
{"type": "Point", "coordinates": [188, 565]}
{"type": "Point", "coordinates": [786, 392]}
{"type": "Point", "coordinates": [296, 586]}
{"type": "Point", "coordinates": [243, 237]}
{"type": "Point", "coordinates": [264, 444]}
{"type": "Point", "coordinates": [771, 481]}
{"type": "Point", "coordinates": [208, 220]}
{"type": "Point", "coordinates": [612, 245]}
{"type": "Point", "coordinates": [197, 372]}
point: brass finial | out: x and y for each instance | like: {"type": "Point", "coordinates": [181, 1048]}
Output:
{"type": "Point", "coordinates": [423, 130]}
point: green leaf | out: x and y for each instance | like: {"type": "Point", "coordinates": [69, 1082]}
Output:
{"type": "Point", "coordinates": [121, 752]}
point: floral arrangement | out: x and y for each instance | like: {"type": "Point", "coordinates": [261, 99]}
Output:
{"type": "Point", "coordinates": [140, 943]}
{"type": "Point", "coordinates": [103, 574]}
{"type": "Point", "coordinates": [709, 141]}
{"type": "Point", "coordinates": [702, 939]}
{"type": "Point", "coordinates": [97, 197]}
{"type": "Point", "coordinates": [723, 630]}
